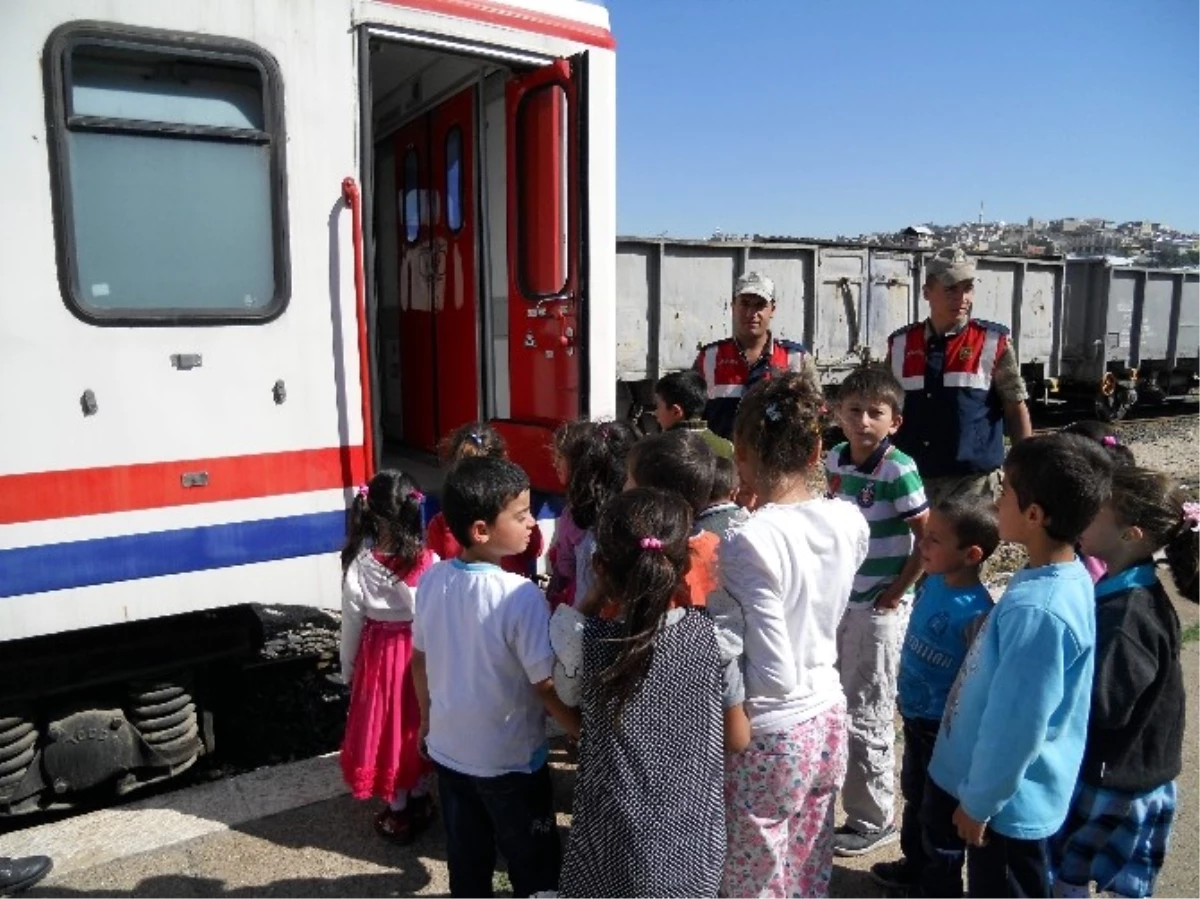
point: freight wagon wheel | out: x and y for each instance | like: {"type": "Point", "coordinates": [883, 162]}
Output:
{"type": "Point", "coordinates": [1113, 400]}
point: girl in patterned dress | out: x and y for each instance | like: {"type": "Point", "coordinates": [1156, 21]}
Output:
{"type": "Point", "coordinates": [382, 563]}
{"type": "Point", "coordinates": [789, 568]}
{"type": "Point", "coordinates": [648, 817]}
{"type": "Point", "coordinates": [1120, 819]}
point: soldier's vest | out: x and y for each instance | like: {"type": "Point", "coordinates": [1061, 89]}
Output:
{"type": "Point", "coordinates": [729, 377]}
{"type": "Point", "coordinates": [953, 419]}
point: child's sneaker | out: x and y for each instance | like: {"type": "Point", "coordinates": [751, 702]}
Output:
{"type": "Point", "coordinates": [896, 877]}
{"type": "Point", "coordinates": [848, 842]}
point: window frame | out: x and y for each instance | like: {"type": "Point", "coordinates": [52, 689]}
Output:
{"type": "Point", "coordinates": [57, 56]}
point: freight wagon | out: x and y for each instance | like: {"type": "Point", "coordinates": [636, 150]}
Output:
{"type": "Point", "coordinates": [252, 246]}
{"type": "Point", "coordinates": [1082, 330]}
{"type": "Point", "coordinates": [841, 300]}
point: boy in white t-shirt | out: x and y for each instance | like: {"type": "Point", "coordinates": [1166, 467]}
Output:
{"type": "Point", "coordinates": [482, 667]}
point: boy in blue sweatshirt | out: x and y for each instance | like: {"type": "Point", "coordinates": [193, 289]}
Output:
{"type": "Point", "coordinates": [1012, 737]}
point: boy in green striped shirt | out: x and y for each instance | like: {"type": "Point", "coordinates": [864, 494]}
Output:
{"type": "Point", "coordinates": [883, 482]}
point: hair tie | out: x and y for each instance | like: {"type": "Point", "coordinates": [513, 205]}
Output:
{"type": "Point", "coordinates": [476, 439]}
{"type": "Point", "coordinates": [364, 490]}
{"type": "Point", "coordinates": [654, 543]}
{"type": "Point", "coordinates": [417, 497]}
{"type": "Point", "coordinates": [773, 412]}
{"type": "Point", "coordinates": [1109, 440]}
{"type": "Point", "coordinates": [1191, 515]}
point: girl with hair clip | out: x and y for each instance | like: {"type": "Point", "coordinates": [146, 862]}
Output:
{"type": "Point", "coordinates": [648, 817]}
{"type": "Point", "coordinates": [467, 442]}
{"type": "Point", "coordinates": [788, 569]}
{"type": "Point", "coordinates": [1120, 819]}
{"type": "Point", "coordinates": [382, 563]}
{"type": "Point", "coordinates": [1105, 435]}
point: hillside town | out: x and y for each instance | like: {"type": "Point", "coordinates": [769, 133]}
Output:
{"type": "Point", "coordinates": [1146, 243]}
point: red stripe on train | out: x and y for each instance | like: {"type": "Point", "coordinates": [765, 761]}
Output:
{"type": "Point", "coordinates": [126, 488]}
{"type": "Point", "coordinates": [516, 18]}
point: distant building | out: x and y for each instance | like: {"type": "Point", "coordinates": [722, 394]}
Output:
{"type": "Point", "coordinates": [918, 236]}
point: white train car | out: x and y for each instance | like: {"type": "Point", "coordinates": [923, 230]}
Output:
{"type": "Point", "coordinates": [252, 247]}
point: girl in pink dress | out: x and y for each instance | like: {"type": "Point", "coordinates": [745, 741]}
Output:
{"type": "Point", "coordinates": [382, 562]}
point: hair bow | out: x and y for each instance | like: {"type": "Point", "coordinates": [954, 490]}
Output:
{"type": "Point", "coordinates": [1191, 515]}
{"type": "Point", "coordinates": [1109, 440]}
{"type": "Point", "coordinates": [651, 543]}
{"type": "Point", "coordinates": [773, 412]}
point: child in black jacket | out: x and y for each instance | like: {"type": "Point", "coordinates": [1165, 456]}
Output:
{"type": "Point", "coordinates": [1120, 820]}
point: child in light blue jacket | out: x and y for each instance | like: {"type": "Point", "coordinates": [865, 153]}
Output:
{"type": "Point", "coordinates": [1012, 737]}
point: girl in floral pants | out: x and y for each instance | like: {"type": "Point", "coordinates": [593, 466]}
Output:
{"type": "Point", "coordinates": [789, 568]}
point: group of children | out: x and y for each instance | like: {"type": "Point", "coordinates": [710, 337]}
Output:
{"type": "Point", "coordinates": [729, 667]}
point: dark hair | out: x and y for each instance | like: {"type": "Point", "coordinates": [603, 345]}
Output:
{"type": "Point", "coordinates": [973, 520]}
{"type": "Point", "coordinates": [724, 480]}
{"type": "Point", "coordinates": [1067, 475]}
{"type": "Point", "coordinates": [1154, 502]}
{"type": "Point", "coordinates": [681, 461]}
{"type": "Point", "coordinates": [1105, 435]}
{"type": "Point", "coordinates": [874, 383]}
{"type": "Point", "coordinates": [597, 466]}
{"type": "Point", "coordinates": [475, 438]}
{"type": "Point", "coordinates": [641, 580]}
{"type": "Point", "coordinates": [478, 489]}
{"type": "Point", "coordinates": [686, 389]}
{"type": "Point", "coordinates": [388, 513]}
{"type": "Point", "coordinates": [567, 434]}
{"type": "Point", "coordinates": [780, 422]}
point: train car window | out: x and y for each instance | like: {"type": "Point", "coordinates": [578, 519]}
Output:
{"type": "Point", "coordinates": [541, 170]}
{"type": "Point", "coordinates": [454, 180]}
{"type": "Point", "coordinates": [167, 151]}
{"type": "Point", "coordinates": [411, 209]}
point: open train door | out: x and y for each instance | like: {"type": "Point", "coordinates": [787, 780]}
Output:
{"type": "Point", "coordinates": [546, 126]}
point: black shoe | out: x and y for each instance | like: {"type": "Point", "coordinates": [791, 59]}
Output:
{"type": "Point", "coordinates": [897, 877]}
{"type": "Point", "coordinates": [848, 842]}
{"type": "Point", "coordinates": [18, 874]}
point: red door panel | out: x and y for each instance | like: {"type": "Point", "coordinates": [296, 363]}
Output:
{"type": "Point", "coordinates": [455, 283]}
{"type": "Point", "coordinates": [416, 300]}
{"type": "Point", "coordinates": [545, 253]}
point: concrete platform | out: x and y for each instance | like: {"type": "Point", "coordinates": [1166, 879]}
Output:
{"type": "Point", "coordinates": [293, 831]}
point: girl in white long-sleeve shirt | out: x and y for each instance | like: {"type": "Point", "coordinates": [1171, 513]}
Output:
{"type": "Point", "coordinates": [789, 570]}
{"type": "Point", "coordinates": [382, 562]}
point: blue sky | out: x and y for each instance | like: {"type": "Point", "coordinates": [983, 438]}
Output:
{"type": "Point", "coordinates": [819, 118]}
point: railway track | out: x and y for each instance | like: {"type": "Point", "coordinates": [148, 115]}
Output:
{"type": "Point", "coordinates": [1050, 418]}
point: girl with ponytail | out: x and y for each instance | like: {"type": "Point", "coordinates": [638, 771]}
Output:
{"type": "Point", "coordinates": [382, 562]}
{"type": "Point", "coordinates": [1120, 819]}
{"type": "Point", "coordinates": [648, 814]}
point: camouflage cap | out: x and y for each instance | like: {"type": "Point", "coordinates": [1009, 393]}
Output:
{"type": "Point", "coordinates": [755, 284]}
{"type": "Point", "coordinates": [950, 265]}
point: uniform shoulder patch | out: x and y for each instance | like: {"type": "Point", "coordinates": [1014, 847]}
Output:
{"type": "Point", "coordinates": [990, 326]}
{"type": "Point", "coordinates": [792, 346]}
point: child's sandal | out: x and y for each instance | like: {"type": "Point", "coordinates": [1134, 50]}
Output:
{"type": "Point", "coordinates": [395, 827]}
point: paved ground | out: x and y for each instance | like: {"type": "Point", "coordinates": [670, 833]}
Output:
{"type": "Point", "coordinates": [230, 839]}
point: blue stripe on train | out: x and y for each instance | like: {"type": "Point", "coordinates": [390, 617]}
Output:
{"type": "Point", "coordinates": [85, 563]}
